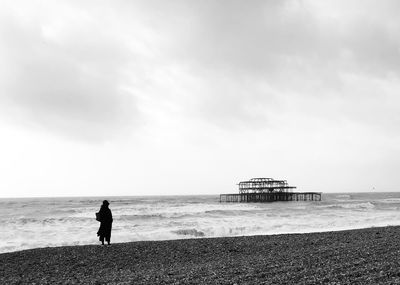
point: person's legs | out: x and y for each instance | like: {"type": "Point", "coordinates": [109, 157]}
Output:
{"type": "Point", "coordinates": [108, 234]}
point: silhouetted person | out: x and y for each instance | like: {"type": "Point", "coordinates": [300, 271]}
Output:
{"type": "Point", "coordinates": [105, 223]}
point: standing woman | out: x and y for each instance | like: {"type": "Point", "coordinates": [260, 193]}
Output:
{"type": "Point", "coordinates": [105, 223]}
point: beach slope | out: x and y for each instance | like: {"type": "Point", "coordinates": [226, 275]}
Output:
{"type": "Point", "coordinates": [365, 256]}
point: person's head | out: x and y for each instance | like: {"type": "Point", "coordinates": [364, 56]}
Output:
{"type": "Point", "coordinates": [105, 203]}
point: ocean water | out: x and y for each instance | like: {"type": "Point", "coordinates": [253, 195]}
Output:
{"type": "Point", "coordinates": [42, 222]}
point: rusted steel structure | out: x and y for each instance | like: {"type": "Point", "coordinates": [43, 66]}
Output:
{"type": "Point", "coordinates": [264, 185]}
{"type": "Point", "coordinates": [268, 190]}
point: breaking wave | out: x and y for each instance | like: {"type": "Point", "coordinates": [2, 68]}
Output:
{"type": "Point", "coordinates": [355, 206]}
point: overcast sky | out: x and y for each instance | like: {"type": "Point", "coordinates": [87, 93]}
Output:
{"type": "Point", "coordinates": [191, 97]}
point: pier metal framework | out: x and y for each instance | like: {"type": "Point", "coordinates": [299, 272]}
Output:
{"type": "Point", "coordinates": [264, 185]}
{"type": "Point", "coordinates": [268, 190]}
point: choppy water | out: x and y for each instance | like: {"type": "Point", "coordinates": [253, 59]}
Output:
{"type": "Point", "coordinates": [41, 222]}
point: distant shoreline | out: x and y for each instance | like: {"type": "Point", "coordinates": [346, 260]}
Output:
{"type": "Point", "coordinates": [364, 256]}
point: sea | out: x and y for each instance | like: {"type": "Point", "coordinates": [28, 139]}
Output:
{"type": "Point", "coordinates": [48, 222]}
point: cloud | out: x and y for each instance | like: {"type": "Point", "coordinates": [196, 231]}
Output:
{"type": "Point", "coordinates": [268, 57]}
{"type": "Point", "coordinates": [66, 77]}
{"type": "Point", "coordinates": [92, 67]}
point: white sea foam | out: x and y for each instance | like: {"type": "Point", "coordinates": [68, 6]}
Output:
{"type": "Point", "coordinates": [390, 201]}
{"type": "Point", "coordinates": [54, 222]}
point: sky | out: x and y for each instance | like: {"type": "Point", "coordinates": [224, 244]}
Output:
{"type": "Point", "coordinates": [153, 97]}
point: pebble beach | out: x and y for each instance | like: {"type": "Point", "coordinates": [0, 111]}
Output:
{"type": "Point", "coordinates": [364, 256]}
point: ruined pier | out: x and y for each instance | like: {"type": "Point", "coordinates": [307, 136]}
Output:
{"type": "Point", "coordinates": [268, 190]}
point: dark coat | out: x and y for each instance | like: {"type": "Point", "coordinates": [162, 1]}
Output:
{"type": "Point", "coordinates": [105, 223]}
